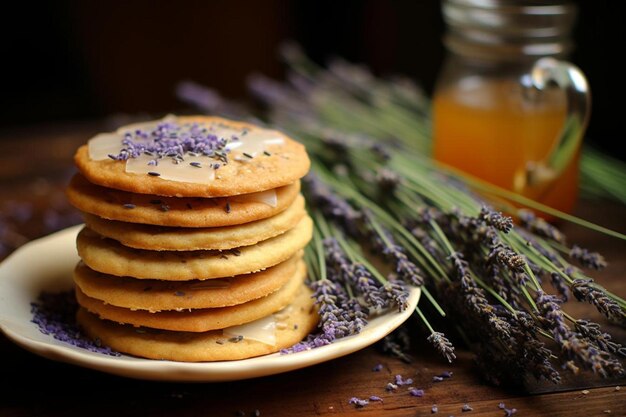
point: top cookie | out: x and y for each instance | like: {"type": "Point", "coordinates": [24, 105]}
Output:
{"type": "Point", "coordinates": [192, 156]}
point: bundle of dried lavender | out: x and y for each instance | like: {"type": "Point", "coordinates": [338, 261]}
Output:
{"type": "Point", "coordinates": [374, 190]}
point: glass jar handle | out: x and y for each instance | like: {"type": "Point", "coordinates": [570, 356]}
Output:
{"type": "Point", "coordinates": [570, 78]}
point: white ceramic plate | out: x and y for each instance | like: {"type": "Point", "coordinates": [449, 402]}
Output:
{"type": "Point", "coordinates": [47, 264]}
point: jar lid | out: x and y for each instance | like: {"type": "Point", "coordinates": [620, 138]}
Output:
{"type": "Point", "coordinates": [508, 28]}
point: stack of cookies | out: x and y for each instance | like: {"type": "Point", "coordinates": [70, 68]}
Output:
{"type": "Point", "coordinates": [192, 249]}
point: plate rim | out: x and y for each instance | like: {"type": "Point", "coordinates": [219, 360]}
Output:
{"type": "Point", "coordinates": [149, 369]}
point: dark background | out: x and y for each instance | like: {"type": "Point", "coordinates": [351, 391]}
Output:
{"type": "Point", "coordinates": [73, 60]}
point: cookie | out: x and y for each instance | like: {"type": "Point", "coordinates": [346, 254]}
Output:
{"type": "Point", "coordinates": [111, 257]}
{"type": "Point", "coordinates": [198, 320]}
{"type": "Point", "coordinates": [292, 324]}
{"type": "Point", "coordinates": [248, 158]}
{"type": "Point", "coordinates": [141, 236]}
{"type": "Point", "coordinates": [153, 295]}
{"type": "Point", "coordinates": [178, 212]}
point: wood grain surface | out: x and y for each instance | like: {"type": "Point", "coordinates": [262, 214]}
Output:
{"type": "Point", "coordinates": [35, 162]}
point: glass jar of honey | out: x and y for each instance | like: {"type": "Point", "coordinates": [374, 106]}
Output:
{"type": "Point", "coordinates": [506, 107]}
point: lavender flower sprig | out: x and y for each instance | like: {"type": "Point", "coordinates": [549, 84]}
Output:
{"type": "Point", "coordinates": [378, 190]}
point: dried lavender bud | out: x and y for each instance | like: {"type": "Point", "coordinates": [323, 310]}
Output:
{"type": "Point", "coordinates": [473, 229]}
{"type": "Point", "coordinates": [577, 349]}
{"type": "Point", "coordinates": [466, 408]}
{"type": "Point", "coordinates": [172, 140]}
{"type": "Point", "coordinates": [333, 206]}
{"type": "Point", "coordinates": [507, 257]}
{"type": "Point", "coordinates": [588, 259]}
{"type": "Point", "coordinates": [400, 381]}
{"type": "Point", "coordinates": [395, 291]}
{"type": "Point", "coordinates": [355, 316]}
{"type": "Point", "coordinates": [538, 362]}
{"type": "Point", "coordinates": [375, 398]}
{"type": "Point", "coordinates": [443, 345]}
{"type": "Point", "coordinates": [129, 206]}
{"type": "Point", "coordinates": [495, 219]}
{"type": "Point", "coordinates": [434, 409]}
{"type": "Point", "coordinates": [583, 290]}
{"type": "Point", "coordinates": [377, 368]}
{"type": "Point", "coordinates": [391, 386]}
{"type": "Point", "coordinates": [406, 270]}
{"type": "Point", "coordinates": [559, 285]}
{"type": "Point", "coordinates": [591, 331]}
{"type": "Point", "coordinates": [383, 241]}
{"type": "Point", "coordinates": [460, 264]}
{"type": "Point", "coordinates": [55, 315]}
{"type": "Point", "coordinates": [430, 244]}
{"type": "Point", "coordinates": [539, 226]}
{"type": "Point", "coordinates": [414, 392]}
{"type": "Point", "coordinates": [355, 275]}
{"type": "Point", "coordinates": [437, 379]}
{"type": "Point", "coordinates": [357, 402]}
{"type": "Point", "coordinates": [368, 287]}
{"type": "Point", "coordinates": [199, 96]}
{"type": "Point", "coordinates": [387, 180]}
{"type": "Point", "coordinates": [337, 260]}
{"type": "Point", "coordinates": [531, 241]}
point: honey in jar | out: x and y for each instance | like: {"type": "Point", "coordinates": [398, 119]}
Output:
{"type": "Point", "coordinates": [506, 108]}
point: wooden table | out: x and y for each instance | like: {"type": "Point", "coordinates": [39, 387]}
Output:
{"type": "Point", "coordinates": [34, 164]}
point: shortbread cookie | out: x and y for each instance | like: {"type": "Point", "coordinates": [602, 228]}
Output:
{"type": "Point", "coordinates": [178, 212]}
{"type": "Point", "coordinates": [199, 320]}
{"type": "Point", "coordinates": [153, 295]}
{"type": "Point", "coordinates": [111, 257]}
{"type": "Point", "coordinates": [249, 158]}
{"type": "Point", "coordinates": [292, 324]}
{"type": "Point", "coordinates": [141, 236]}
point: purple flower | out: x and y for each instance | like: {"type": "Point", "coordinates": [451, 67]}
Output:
{"type": "Point", "coordinates": [588, 259]}
{"type": "Point", "coordinates": [443, 345]}
{"type": "Point", "coordinates": [539, 226]}
{"type": "Point", "coordinates": [357, 402]}
{"type": "Point", "coordinates": [201, 97]}
{"type": "Point", "coordinates": [495, 219]}
{"type": "Point", "coordinates": [592, 332]}
{"type": "Point", "coordinates": [353, 274]}
{"type": "Point", "coordinates": [578, 350]}
{"type": "Point", "coordinates": [584, 290]}
{"type": "Point", "coordinates": [414, 392]}
{"type": "Point", "coordinates": [368, 287]}
{"type": "Point", "coordinates": [395, 291]}
{"type": "Point", "coordinates": [391, 386]}
{"type": "Point", "coordinates": [55, 315]}
{"type": "Point", "coordinates": [172, 140]}
{"type": "Point", "coordinates": [559, 285]}
{"type": "Point", "coordinates": [507, 257]}
{"type": "Point", "coordinates": [400, 381]}
{"type": "Point", "coordinates": [333, 206]}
